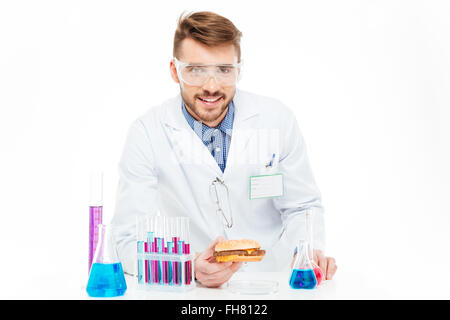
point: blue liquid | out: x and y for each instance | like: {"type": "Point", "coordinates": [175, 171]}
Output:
{"type": "Point", "coordinates": [141, 267]}
{"type": "Point", "coordinates": [141, 263]}
{"type": "Point", "coordinates": [303, 279]}
{"type": "Point", "coordinates": [169, 273]}
{"type": "Point", "coordinates": [106, 280]}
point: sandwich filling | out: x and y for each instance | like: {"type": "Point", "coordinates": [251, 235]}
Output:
{"type": "Point", "coordinates": [247, 252]}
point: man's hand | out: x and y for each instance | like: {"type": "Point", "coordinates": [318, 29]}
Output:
{"type": "Point", "coordinates": [326, 264]}
{"type": "Point", "coordinates": [211, 273]}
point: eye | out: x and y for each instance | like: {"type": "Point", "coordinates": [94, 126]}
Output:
{"type": "Point", "coordinates": [195, 69]}
{"type": "Point", "coordinates": [225, 69]}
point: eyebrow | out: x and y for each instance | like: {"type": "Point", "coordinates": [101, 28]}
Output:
{"type": "Point", "coordinates": [195, 64]}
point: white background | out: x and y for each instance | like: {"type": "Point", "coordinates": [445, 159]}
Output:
{"type": "Point", "coordinates": [368, 81]}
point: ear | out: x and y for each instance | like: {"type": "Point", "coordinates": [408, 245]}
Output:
{"type": "Point", "coordinates": [173, 72]}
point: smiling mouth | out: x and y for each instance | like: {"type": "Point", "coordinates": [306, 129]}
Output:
{"type": "Point", "coordinates": [210, 101]}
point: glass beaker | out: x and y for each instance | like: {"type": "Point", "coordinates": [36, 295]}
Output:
{"type": "Point", "coordinates": [309, 231]}
{"type": "Point", "coordinates": [106, 278]}
{"type": "Point", "coordinates": [302, 275]}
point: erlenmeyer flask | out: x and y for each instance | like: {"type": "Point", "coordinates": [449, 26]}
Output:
{"type": "Point", "coordinates": [309, 231]}
{"type": "Point", "coordinates": [302, 275]}
{"type": "Point", "coordinates": [106, 278]}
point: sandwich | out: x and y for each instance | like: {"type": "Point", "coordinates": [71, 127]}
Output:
{"type": "Point", "coordinates": [238, 250]}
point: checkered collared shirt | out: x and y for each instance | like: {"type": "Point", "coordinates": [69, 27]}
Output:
{"type": "Point", "coordinates": [217, 139]}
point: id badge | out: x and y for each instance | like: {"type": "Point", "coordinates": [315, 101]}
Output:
{"type": "Point", "coordinates": [266, 186]}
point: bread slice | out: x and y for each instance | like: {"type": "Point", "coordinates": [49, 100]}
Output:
{"type": "Point", "coordinates": [243, 244]}
{"type": "Point", "coordinates": [236, 258]}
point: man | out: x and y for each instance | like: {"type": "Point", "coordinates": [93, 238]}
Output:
{"type": "Point", "coordinates": [233, 162]}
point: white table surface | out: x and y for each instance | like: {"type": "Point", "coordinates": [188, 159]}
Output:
{"type": "Point", "coordinates": [347, 284]}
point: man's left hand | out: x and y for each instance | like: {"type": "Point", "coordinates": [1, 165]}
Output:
{"type": "Point", "coordinates": [326, 264]}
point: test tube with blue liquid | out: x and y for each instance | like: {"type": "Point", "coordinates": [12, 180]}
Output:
{"type": "Point", "coordinates": [141, 264]}
{"type": "Point", "coordinates": [159, 234]}
{"type": "Point", "coordinates": [170, 263]}
{"type": "Point", "coordinates": [106, 278]}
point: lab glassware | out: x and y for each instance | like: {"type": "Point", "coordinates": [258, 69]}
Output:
{"type": "Point", "coordinates": [309, 230]}
{"type": "Point", "coordinates": [317, 272]}
{"type": "Point", "coordinates": [170, 258]}
{"type": "Point", "coordinates": [95, 212]}
{"type": "Point", "coordinates": [302, 275]}
{"type": "Point", "coordinates": [106, 278]}
{"type": "Point", "coordinates": [142, 266]}
{"type": "Point", "coordinates": [252, 287]}
{"type": "Point", "coordinates": [186, 247]}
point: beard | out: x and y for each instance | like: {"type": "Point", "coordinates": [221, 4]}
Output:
{"type": "Point", "coordinates": [203, 114]}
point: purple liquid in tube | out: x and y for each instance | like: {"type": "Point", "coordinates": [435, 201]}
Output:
{"type": "Point", "coordinates": [187, 250]}
{"type": "Point", "coordinates": [95, 212]}
{"type": "Point", "coordinates": [95, 218]}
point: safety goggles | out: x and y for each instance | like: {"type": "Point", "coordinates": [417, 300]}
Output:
{"type": "Point", "coordinates": [198, 74]}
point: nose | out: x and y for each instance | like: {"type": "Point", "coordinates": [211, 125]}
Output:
{"type": "Point", "coordinates": [211, 84]}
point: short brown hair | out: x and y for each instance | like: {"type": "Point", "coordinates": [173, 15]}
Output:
{"type": "Point", "coordinates": [207, 28]}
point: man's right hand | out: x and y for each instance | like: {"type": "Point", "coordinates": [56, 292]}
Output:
{"type": "Point", "coordinates": [211, 273]}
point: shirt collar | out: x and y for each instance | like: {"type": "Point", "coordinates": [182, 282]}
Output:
{"type": "Point", "coordinates": [225, 126]}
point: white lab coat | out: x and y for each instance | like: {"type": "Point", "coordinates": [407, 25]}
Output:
{"type": "Point", "coordinates": [166, 167]}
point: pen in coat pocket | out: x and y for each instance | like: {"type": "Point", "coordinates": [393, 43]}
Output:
{"type": "Point", "coordinates": [270, 164]}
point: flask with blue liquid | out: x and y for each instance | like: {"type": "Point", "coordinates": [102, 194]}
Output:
{"type": "Point", "coordinates": [106, 277]}
{"type": "Point", "coordinates": [303, 276]}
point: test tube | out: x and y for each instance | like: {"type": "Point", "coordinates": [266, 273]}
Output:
{"type": "Point", "coordinates": [176, 240]}
{"type": "Point", "coordinates": [176, 233]}
{"type": "Point", "coordinates": [149, 243]}
{"type": "Point", "coordinates": [146, 250]}
{"type": "Point", "coordinates": [180, 264]}
{"type": "Point", "coordinates": [183, 222]}
{"type": "Point", "coordinates": [171, 250]}
{"type": "Point", "coordinates": [170, 264]}
{"type": "Point", "coordinates": [186, 248]}
{"type": "Point", "coordinates": [154, 263]}
{"type": "Point", "coordinates": [140, 250]}
{"type": "Point", "coordinates": [159, 232]}
{"type": "Point", "coordinates": [167, 238]}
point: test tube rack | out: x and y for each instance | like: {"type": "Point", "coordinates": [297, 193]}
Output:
{"type": "Point", "coordinates": [167, 272]}
{"type": "Point", "coordinates": [163, 254]}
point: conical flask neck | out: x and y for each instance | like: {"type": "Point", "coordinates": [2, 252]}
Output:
{"type": "Point", "coordinates": [309, 226]}
{"type": "Point", "coordinates": [303, 260]}
{"type": "Point", "coordinates": [106, 248]}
